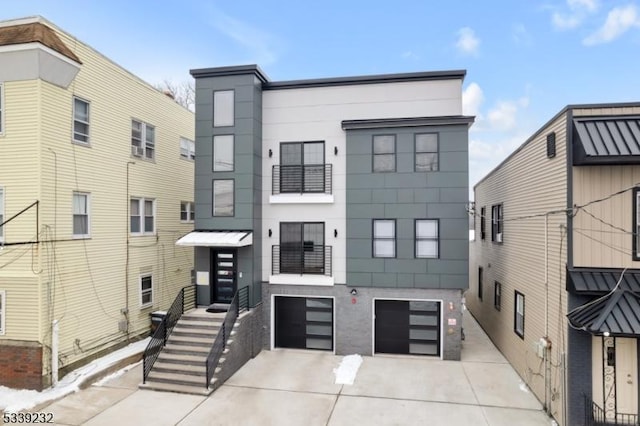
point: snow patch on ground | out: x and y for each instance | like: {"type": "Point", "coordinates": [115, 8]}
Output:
{"type": "Point", "coordinates": [523, 387]}
{"type": "Point", "coordinates": [346, 372]}
{"type": "Point", "coordinates": [14, 400]}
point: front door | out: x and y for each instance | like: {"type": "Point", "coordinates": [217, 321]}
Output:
{"type": "Point", "coordinates": [223, 285]}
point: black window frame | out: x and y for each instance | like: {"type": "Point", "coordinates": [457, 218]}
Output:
{"type": "Point", "coordinates": [213, 198]}
{"type": "Point", "coordinates": [374, 238]}
{"type": "Point", "coordinates": [497, 221]}
{"type": "Point", "coordinates": [303, 247]}
{"type": "Point", "coordinates": [233, 153]}
{"type": "Point", "coordinates": [515, 314]}
{"type": "Point", "coordinates": [635, 236]}
{"type": "Point", "coordinates": [480, 282]}
{"type": "Point", "coordinates": [304, 168]}
{"type": "Point", "coordinates": [497, 295]}
{"type": "Point", "coordinates": [483, 224]}
{"type": "Point", "coordinates": [416, 152]}
{"type": "Point", "coordinates": [213, 105]}
{"type": "Point", "coordinates": [394, 153]}
{"type": "Point", "coordinates": [437, 239]}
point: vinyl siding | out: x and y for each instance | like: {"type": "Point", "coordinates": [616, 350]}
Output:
{"type": "Point", "coordinates": [527, 184]}
{"type": "Point", "coordinates": [83, 282]}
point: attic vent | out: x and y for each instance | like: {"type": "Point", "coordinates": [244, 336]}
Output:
{"type": "Point", "coordinates": [551, 145]}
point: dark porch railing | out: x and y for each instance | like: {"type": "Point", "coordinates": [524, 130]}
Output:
{"type": "Point", "coordinates": [594, 415]}
{"type": "Point", "coordinates": [185, 300]}
{"type": "Point", "coordinates": [305, 259]}
{"type": "Point", "coordinates": [239, 303]}
{"type": "Point", "coordinates": [301, 179]}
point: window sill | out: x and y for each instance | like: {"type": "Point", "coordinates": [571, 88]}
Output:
{"type": "Point", "coordinates": [81, 237]}
{"type": "Point", "coordinates": [141, 234]}
{"type": "Point", "coordinates": [301, 199]}
{"type": "Point", "coordinates": [147, 306]}
{"type": "Point", "coordinates": [80, 143]}
{"type": "Point", "coordinates": [296, 279]}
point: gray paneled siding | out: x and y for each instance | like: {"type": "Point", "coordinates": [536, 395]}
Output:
{"type": "Point", "coordinates": [247, 173]}
{"type": "Point", "coordinates": [406, 195]}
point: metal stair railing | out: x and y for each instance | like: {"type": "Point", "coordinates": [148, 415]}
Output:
{"type": "Point", "coordinates": [185, 300]}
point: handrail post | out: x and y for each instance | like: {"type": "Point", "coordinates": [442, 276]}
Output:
{"type": "Point", "coordinates": [164, 330]}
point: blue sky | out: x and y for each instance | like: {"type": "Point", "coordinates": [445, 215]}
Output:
{"type": "Point", "coordinates": [525, 59]}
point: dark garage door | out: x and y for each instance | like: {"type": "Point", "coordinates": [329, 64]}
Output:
{"type": "Point", "coordinates": [407, 327]}
{"type": "Point", "coordinates": [304, 323]}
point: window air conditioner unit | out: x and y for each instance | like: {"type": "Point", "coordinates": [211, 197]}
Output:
{"type": "Point", "coordinates": [499, 237]}
{"type": "Point", "coordinates": [137, 151]}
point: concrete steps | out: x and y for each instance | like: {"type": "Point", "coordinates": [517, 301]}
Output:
{"type": "Point", "coordinates": [181, 365]}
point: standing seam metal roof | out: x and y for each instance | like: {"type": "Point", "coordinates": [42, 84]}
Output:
{"type": "Point", "coordinates": [617, 313]}
{"type": "Point", "coordinates": [608, 137]}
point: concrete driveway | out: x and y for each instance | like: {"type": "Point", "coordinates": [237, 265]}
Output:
{"type": "Point", "coordinates": [297, 388]}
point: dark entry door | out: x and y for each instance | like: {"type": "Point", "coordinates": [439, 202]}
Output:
{"type": "Point", "coordinates": [407, 327]}
{"type": "Point", "coordinates": [304, 323]}
{"type": "Point", "coordinates": [223, 285]}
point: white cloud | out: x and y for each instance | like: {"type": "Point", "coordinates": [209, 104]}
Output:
{"type": "Point", "coordinates": [578, 11]}
{"type": "Point", "coordinates": [521, 36]}
{"type": "Point", "coordinates": [503, 115]}
{"type": "Point", "coordinates": [467, 43]}
{"type": "Point", "coordinates": [472, 98]}
{"type": "Point", "coordinates": [619, 20]}
{"type": "Point", "coordinates": [408, 54]}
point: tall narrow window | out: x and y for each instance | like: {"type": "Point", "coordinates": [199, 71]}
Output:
{"type": "Point", "coordinates": [223, 197]}
{"type": "Point", "coordinates": [384, 238]}
{"type": "Point", "coordinates": [146, 290]}
{"type": "Point", "coordinates": [143, 140]}
{"type": "Point", "coordinates": [3, 311]}
{"type": "Point", "coordinates": [384, 153]}
{"type": "Point", "coordinates": [223, 153]}
{"type": "Point", "coordinates": [483, 225]}
{"type": "Point", "coordinates": [497, 295]}
{"type": "Point", "coordinates": [518, 321]}
{"type": "Point", "coordinates": [496, 223]}
{"type": "Point", "coordinates": [427, 238]}
{"type": "Point", "coordinates": [426, 152]}
{"type": "Point", "coordinates": [80, 215]}
{"type": "Point", "coordinates": [80, 120]}
{"type": "Point", "coordinates": [1, 213]}
{"type": "Point", "coordinates": [187, 149]}
{"type": "Point", "coordinates": [223, 108]}
{"type": "Point", "coordinates": [480, 283]}
{"type": "Point", "coordinates": [142, 216]}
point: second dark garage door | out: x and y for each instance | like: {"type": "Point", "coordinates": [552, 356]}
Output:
{"type": "Point", "coordinates": [407, 327]}
{"type": "Point", "coordinates": [303, 322]}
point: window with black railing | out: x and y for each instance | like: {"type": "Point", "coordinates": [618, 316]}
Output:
{"type": "Point", "coordinates": [301, 250]}
{"type": "Point", "coordinates": [302, 169]}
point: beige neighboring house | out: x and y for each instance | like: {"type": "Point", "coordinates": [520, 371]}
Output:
{"type": "Point", "coordinates": [96, 185]}
{"type": "Point", "coordinates": [555, 265]}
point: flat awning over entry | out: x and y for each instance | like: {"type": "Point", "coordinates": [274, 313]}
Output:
{"type": "Point", "coordinates": [617, 313]}
{"type": "Point", "coordinates": [216, 239]}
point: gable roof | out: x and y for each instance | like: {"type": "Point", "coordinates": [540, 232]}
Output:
{"type": "Point", "coordinates": [35, 32]}
{"type": "Point", "coordinates": [617, 313]}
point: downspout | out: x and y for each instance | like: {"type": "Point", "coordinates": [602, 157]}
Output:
{"type": "Point", "coordinates": [546, 314]}
{"type": "Point", "coordinates": [126, 264]}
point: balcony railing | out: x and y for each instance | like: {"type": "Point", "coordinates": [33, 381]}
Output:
{"type": "Point", "coordinates": [595, 416]}
{"type": "Point", "coordinates": [308, 259]}
{"type": "Point", "coordinates": [306, 179]}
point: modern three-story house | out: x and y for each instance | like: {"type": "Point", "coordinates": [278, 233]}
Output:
{"type": "Point", "coordinates": [340, 202]}
{"type": "Point", "coordinates": [96, 185]}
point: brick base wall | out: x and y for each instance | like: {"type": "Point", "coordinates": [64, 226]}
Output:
{"type": "Point", "coordinates": [21, 365]}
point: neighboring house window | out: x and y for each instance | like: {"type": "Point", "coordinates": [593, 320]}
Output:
{"type": "Point", "coordinates": [187, 149]}
{"type": "Point", "coordinates": [483, 225]}
{"type": "Point", "coordinates": [301, 168]}
{"type": "Point", "coordinates": [223, 197]}
{"type": "Point", "coordinates": [384, 153]}
{"type": "Point", "coordinates": [496, 223]}
{"type": "Point", "coordinates": [384, 238]}
{"type": "Point", "coordinates": [497, 295]}
{"type": "Point", "coordinates": [1, 108]}
{"type": "Point", "coordinates": [426, 152]}
{"type": "Point", "coordinates": [146, 290]}
{"type": "Point", "coordinates": [80, 120]}
{"type": "Point", "coordinates": [142, 214]}
{"type": "Point", "coordinates": [223, 108]}
{"type": "Point", "coordinates": [480, 284]}
{"type": "Point", "coordinates": [143, 139]}
{"type": "Point", "coordinates": [223, 153]}
{"type": "Point", "coordinates": [81, 215]}
{"type": "Point", "coordinates": [1, 213]}
{"type": "Point", "coordinates": [427, 238]}
{"type": "Point", "coordinates": [518, 320]}
{"type": "Point", "coordinates": [3, 311]}
{"type": "Point", "coordinates": [187, 211]}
